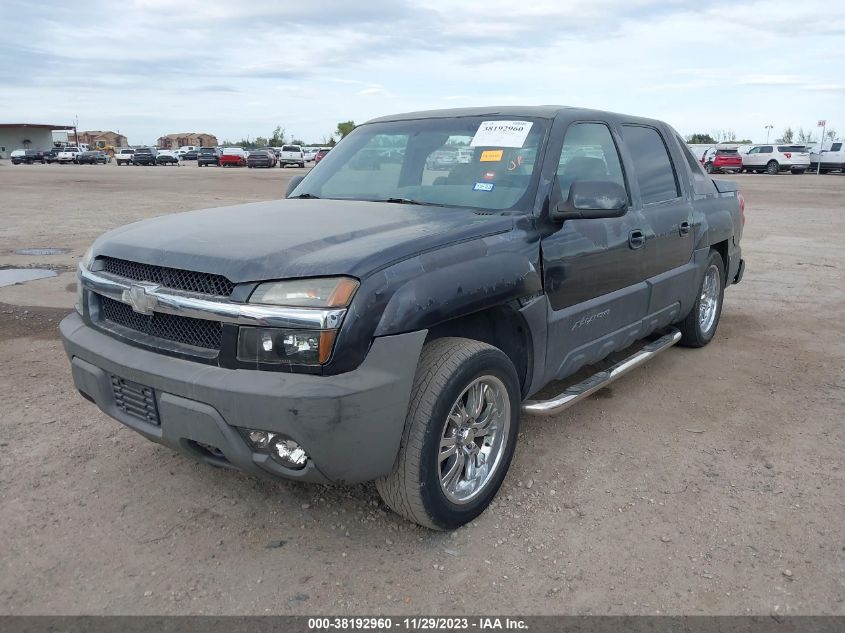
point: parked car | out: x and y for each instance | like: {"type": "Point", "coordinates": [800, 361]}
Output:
{"type": "Point", "coordinates": [167, 157]}
{"type": "Point", "coordinates": [832, 158]}
{"type": "Point", "coordinates": [233, 157]}
{"type": "Point", "coordinates": [261, 158]}
{"type": "Point", "coordinates": [193, 150]}
{"type": "Point", "coordinates": [774, 159]}
{"type": "Point", "coordinates": [68, 154]}
{"type": "Point", "coordinates": [719, 160]}
{"type": "Point", "coordinates": [27, 156]}
{"type": "Point", "coordinates": [93, 158]}
{"type": "Point", "coordinates": [310, 153]}
{"type": "Point", "coordinates": [291, 155]}
{"type": "Point", "coordinates": [208, 156]}
{"type": "Point", "coordinates": [52, 155]}
{"type": "Point", "coordinates": [191, 154]}
{"type": "Point", "coordinates": [124, 155]}
{"type": "Point", "coordinates": [371, 328]}
{"type": "Point", "coordinates": [321, 154]}
{"type": "Point", "coordinates": [442, 159]}
{"type": "Point", "coordinates": [145, 156]}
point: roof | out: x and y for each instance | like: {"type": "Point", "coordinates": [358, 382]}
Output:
{"type": "Point", "coordinates": [40, 126]}
{"type": "Point", "coordinates": [538, 112]}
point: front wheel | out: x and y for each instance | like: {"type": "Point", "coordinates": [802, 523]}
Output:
{"type": "Point", "coordinates": [708, 167]}
{"type": "Point", "coordinates": [459, 435]}
{"type": "Point", "coordinates": [699, 327]}
{"type": "Point", "coordinates": [772, 168]}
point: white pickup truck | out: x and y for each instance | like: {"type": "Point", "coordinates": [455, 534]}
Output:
{"type": "Point", "coordinates": [123, 155]}
{"type": "Point", "coordinates": [291, 155]}
{"type": "Point", "coordinates": [832, 157]}
{"type": "Point", "coordinates": [68, 155]}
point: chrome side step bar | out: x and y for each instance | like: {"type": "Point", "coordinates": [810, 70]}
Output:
{"type": "Point", "coordinates": [601, 379]}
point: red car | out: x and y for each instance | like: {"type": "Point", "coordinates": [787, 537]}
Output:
{"type": "Point", "coordinates": [232, 157]}
{"type": "Point", "coordinates": [722, 161]}
{"type": "Point", "coordinates": [319, 156]}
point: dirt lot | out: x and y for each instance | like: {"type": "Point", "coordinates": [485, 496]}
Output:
{"type": "Point", "coordinates": [710, 481]}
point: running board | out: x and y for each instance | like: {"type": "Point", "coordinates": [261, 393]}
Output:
{"type": "Point", "coordinates": [601, 379]}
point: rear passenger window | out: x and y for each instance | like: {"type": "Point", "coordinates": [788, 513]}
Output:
{"type": "Point", "coordinates": [654, 170]}
{"type": "Point", "coordinates": [588, 153]}
{"type": "Point", "coordinates": [836, 147]}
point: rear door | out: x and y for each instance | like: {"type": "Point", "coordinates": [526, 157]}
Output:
{"type": "Point", "coordinates": [664, 202]}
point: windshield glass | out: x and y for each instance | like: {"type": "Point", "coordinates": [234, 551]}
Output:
{"type": "Point", "coordinates": [484, 162]}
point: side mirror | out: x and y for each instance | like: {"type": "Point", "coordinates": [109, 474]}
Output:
{"type": "Point", "coordinates": [294, 182]}
{"type": "Point", "coordinates": [592, 199]}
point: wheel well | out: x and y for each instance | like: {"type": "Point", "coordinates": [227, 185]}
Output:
{"type": "Point", "coordinates": [501, 327]}
{"type": "Point", "coordinates": [722, 249]}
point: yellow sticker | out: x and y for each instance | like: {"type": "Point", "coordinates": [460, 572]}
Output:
{"type": "Point", "coordinates": [491, 155]}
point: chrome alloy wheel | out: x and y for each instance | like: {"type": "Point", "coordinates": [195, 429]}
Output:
{"type": "Point", "coordinates": [708, 303]}
{"type": "Point", "coordinates": [473, 440]}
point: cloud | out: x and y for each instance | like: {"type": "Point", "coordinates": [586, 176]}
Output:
{"type": "Point", "coordinates": [240, 69]}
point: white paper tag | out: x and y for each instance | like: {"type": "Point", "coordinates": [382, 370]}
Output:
{"type": "Point", "coordinates": [501, 134]}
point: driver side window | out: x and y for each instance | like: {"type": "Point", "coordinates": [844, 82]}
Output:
{"type": "Point", "coordinates": [588, 153]}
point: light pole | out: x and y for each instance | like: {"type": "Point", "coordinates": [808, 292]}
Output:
{"type": "Point", "coordinates": [768, 129]}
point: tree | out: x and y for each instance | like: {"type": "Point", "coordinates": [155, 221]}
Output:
{"type": "Point", "coordinates": [745, 141]}
{"type": "Point", "coordinates": [278, 138]}
{"type": "Point", "coordinates": [344, 128]}
{"type": "Point", "coordinates": [297, 141]}
{"type": "Point", "coordinates": [805, 137]}
{"type": "Point", "coordinates": [831, 134]}
{"type": "Point", "coordinates": [700, 138]}
{"type": "Point", "coordinates": [788, 134]}
{"type": "Point", "coordinates": [260, 141]}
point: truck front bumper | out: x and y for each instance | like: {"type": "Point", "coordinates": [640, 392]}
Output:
{"type": "Point", "coordinates": [350, 425]}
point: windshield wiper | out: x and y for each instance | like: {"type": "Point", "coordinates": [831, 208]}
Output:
{"type": "Point", "coordinates": [304, 196]}
{"type": "Point", "coordinates": [408, 201]}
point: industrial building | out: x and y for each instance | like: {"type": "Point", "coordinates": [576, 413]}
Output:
{"type": "Point", "coordinates": [27, 136]}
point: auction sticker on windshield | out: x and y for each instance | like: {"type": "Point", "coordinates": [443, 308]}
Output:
{"type": "Point", "coordinates": [491, 155]}
{"type": "Point", "coordinates": [501, 134]}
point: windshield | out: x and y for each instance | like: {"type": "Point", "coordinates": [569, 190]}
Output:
{"type": "Point", "coordinates": [478, 162]}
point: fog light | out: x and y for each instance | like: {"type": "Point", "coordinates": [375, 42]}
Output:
{"type": "Point", "coordinates": [288, 453]}
{"type": "Point", "coordinates": [281, 449]}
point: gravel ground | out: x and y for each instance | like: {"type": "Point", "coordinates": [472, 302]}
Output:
{"type": "Point", "coordinates": [708, 482]}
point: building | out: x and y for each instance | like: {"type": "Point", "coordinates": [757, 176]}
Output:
{"type": "Point", "coordinates": [27, 136]}
{"type": "Point", "coordinates": [175, 141]}
{"type": "Point", "coordinates": [98, 139]}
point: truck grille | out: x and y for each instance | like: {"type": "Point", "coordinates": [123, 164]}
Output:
{"type": "Point", "coordinates": [186, 330]}
{"type": "Point", "coordinates": [136, 400]}
{"type": "Point", "coordinates": [187, 280]}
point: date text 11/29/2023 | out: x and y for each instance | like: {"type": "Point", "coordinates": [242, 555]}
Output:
{"type": "Point", "coordinates": [419, 623]}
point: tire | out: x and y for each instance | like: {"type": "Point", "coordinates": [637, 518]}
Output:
{"type": "Point", "coordinates": [449, 368]}
{"type": "Point", "coordinates": [772, 168]}
{"type": "Point", "coordinates": [697, 331]}
{"type": "Point", "coordinates": [708, 167]}
{"type": "Point", "coordinates": [302, 165]}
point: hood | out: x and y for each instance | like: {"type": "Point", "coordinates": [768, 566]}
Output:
{"type": "Point", "coordinates": [296, 238]}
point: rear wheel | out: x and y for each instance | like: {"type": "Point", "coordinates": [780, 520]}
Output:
{"type": "Point", "coordinates": [772, 167]}
{"type": "Point", "coordinates": [708, 167]}
{"type": "Point", "coordinates": [699, 327]}
{"type": "Point", "coordinates": [459, 435]}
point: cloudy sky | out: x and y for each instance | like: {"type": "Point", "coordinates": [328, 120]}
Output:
{"type": "Point", "coordinates": [238, 68]}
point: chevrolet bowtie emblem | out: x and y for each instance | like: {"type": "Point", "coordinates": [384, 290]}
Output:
{"type": "Point", "coordinates": [138, 296]}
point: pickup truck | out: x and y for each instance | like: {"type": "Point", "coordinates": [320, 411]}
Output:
{"type": "Point", "coordinates": [291, 155]}
{"type": "Point", "coordinates": [832, 158]}
{"type": "Point", "coordinates": [124, 155]}
{"type": "Point", "coordinates": [68, 155]}
{"type": "Point", "coordinates": [393, 324]}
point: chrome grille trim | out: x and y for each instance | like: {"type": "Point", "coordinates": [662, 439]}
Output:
{"type": "Point", "coordinates": [197, 306]}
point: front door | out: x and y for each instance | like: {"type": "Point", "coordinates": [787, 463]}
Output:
{"type": "Point", "coordinates": [594, 270]}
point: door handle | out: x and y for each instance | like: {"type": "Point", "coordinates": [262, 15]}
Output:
{"type": "Point", "coordinates": [684, 228]}
{"type": "Point", "coordinates": [636, 239]}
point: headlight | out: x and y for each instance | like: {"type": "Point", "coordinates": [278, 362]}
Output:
{"type": "Point", "coordinates": [275, 345]}
{"type": "Point", "coordinates": [324, 292]}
